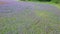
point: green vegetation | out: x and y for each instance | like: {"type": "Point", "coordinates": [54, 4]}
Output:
{"type": "Point", "coordinates": [55, 1]}
{"type": "Point", "coordinates": [45, 24]}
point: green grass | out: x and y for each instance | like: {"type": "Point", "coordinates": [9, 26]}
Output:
{"type": "Point", "coordinates": [46, 23]}
{"type": "Point", "coordinates": [38, 2]}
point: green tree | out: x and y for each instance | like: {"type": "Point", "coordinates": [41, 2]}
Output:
{"type": "Point", "coordinates": [56, 1]}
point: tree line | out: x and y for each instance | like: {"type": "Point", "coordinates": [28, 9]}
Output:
{"type": "Point", "coordinates": [55, 1]}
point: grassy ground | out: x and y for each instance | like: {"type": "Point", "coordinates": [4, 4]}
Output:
{"type": "Point", "coordinates": [57, 5]}
{"type": "Point", "coordinates": [44, 23]}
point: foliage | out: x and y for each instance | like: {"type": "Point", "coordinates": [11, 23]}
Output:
{"type": "Point", "coordinates": [55, 1]}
